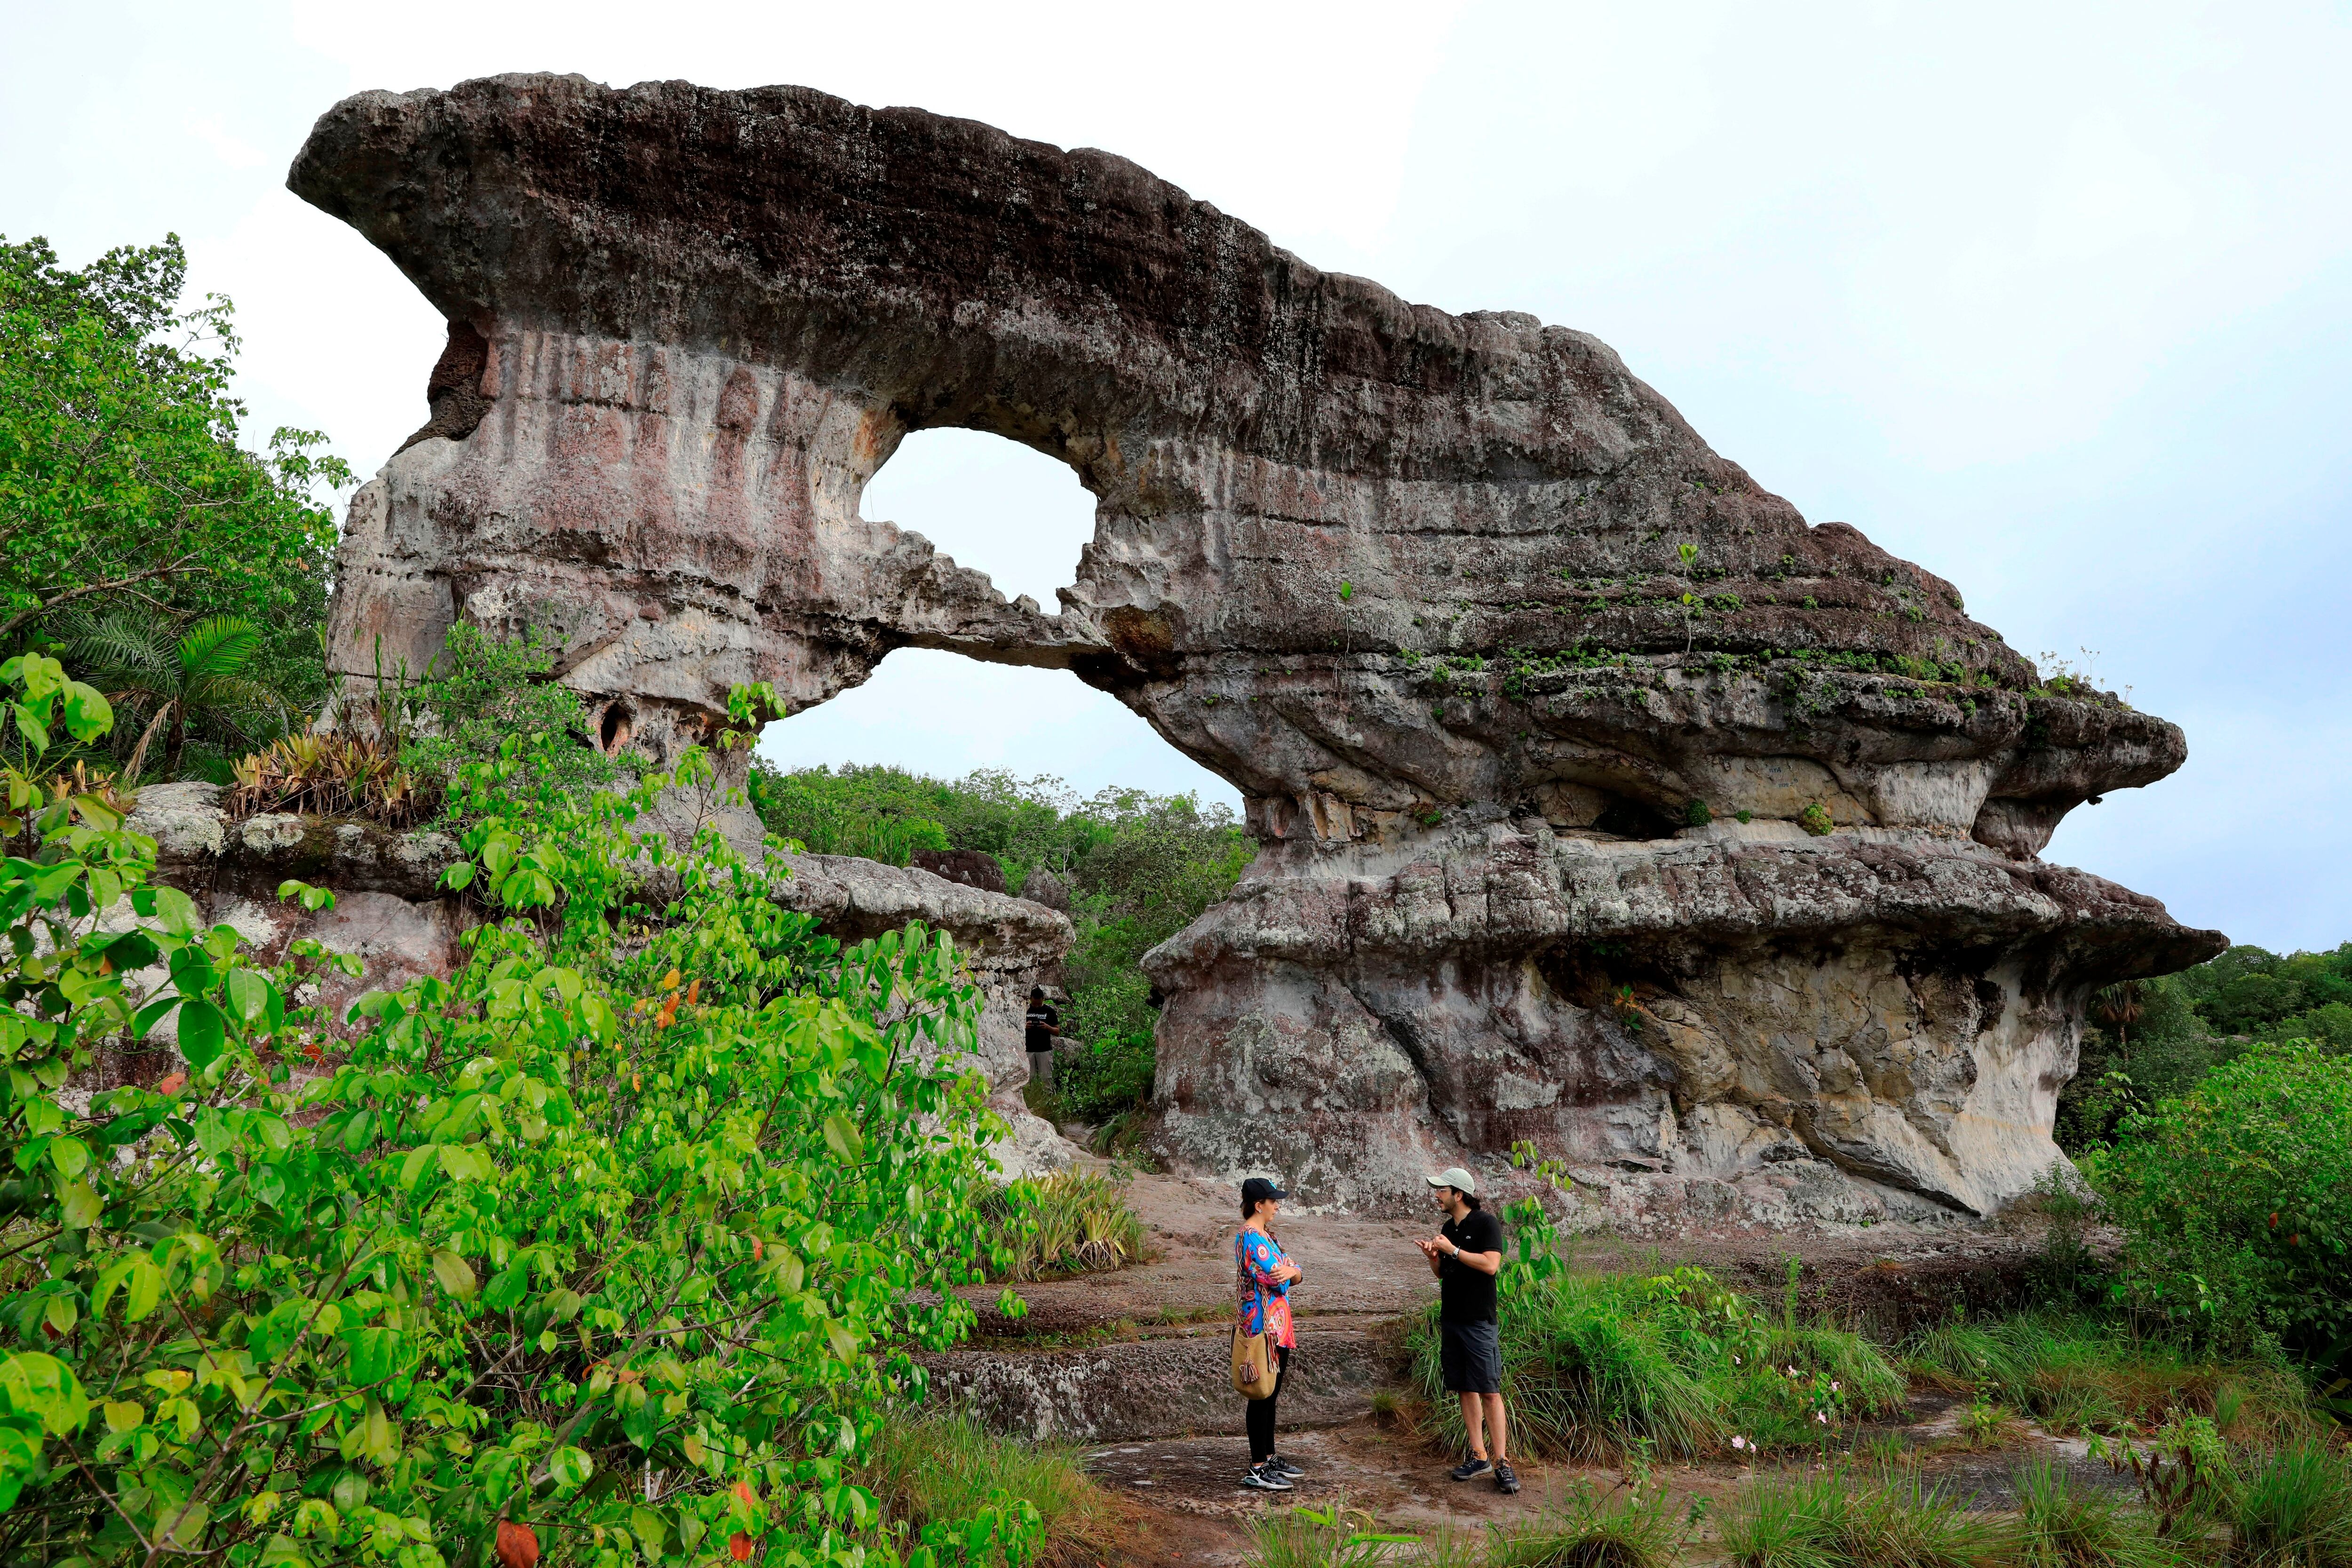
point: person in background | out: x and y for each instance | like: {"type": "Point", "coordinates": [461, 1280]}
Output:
{"type": "Point", "coordinates": [1263, 1275]}
{"type": "Point", "coordinates": [1465, 1255]}
{"type": "Point", "coordinates": [1045, 1022]}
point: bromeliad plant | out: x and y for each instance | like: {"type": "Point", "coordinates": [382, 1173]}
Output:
{"type": "Point", "coordinates": [613, 1244]}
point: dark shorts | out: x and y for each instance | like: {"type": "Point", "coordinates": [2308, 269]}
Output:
{"type": "Point", "coordinates": [1471, 1356]}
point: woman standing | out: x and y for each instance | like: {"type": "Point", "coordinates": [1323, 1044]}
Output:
{"type": "Point", "coordinates": [1263, 1275]}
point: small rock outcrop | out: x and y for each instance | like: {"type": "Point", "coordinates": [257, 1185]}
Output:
{"type": "Point", "coordinates": [1604, 802]}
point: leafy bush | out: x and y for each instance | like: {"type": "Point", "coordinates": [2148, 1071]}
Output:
{"type": "Point", "coordinates": [626, 1228]}
{"type": "Point", "coordinates": [483, 689]}
{"type": "Point", "coordinates": [2236, 1199]}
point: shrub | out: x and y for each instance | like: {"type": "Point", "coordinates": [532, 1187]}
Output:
{"type": "Point", "coordinates": [627, 1228]}
{"type": "Point", "coordinates": [482, 691]}
{"type": "Point", "coordinates": [1816, 820]}
{"type": "Point", "coordinates": [2236, 1199]}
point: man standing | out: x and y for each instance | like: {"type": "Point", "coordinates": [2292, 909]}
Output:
{"type": "Point", "coordinates": [1045, 1024]}
{"type": "Point", "coordinates": [1466, 1255]}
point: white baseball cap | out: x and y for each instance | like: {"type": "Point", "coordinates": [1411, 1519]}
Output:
{"type": "Point", "coordinates": [1456, 1178]}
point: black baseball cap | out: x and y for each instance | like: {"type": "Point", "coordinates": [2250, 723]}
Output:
{"type": "Point", "coordinates": [1257, 1189]}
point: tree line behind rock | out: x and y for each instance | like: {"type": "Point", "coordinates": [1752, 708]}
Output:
{"type": "Point", "coordinates": [1132, 868]}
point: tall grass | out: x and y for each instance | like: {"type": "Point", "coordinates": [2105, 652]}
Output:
{"type": "Point", "coordinates": [2063, 1524]}
{"type": "Point", "coordinates": [2292, 1507]}
{"type": "Point", "coordinates": [1333, 1537]}
{"type": "Point", "coordinates": [1621, 1533]}
{"type": "Point", "coordinates": [2088, 1374]}
{"type": "Point", "coordinates": [932, 1468]}
{"type": "Point", "coordinates": [1599, 1366]}
{"type": "Point", "coordinates": [1072, 1222]}
{"type": "Point", "coordinates": [1827, 1522]}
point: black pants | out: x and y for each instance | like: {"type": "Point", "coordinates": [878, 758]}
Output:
{"type": "Point", "coordinates": [1259, 1413]}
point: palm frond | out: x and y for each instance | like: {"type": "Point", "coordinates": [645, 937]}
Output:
{"type": "Point", "coordinates": [225, 693]}
{"type": "Point", "coordinates": [116, 648]}
{"type": "Point", "coordinates": [218, 645]}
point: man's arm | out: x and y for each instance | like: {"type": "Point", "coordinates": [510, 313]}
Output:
{"type": "Point", "coordinates": [1483, 1262]}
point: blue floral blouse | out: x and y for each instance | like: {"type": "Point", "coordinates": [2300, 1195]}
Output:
{"type": "Point", "coordinates": [1261, 1301]}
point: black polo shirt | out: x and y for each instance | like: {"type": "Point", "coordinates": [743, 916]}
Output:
{"type": "Point", "coordinates": [1466, 1295]}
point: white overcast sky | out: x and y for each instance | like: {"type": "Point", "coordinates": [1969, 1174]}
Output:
{"type": "Point", "coordinates": [2055, 300]}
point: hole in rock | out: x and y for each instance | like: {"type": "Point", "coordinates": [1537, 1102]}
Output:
{"type": "Point", "coordinates": [990, 504]}
{"type": "Point", "coordinates": [995, 506]}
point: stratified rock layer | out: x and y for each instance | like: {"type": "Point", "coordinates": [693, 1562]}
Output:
{"type": "Point", "coordinates": [1424, 587]}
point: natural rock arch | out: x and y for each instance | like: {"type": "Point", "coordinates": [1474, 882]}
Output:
{"type": "Point", "coordinates": [1532, 697]}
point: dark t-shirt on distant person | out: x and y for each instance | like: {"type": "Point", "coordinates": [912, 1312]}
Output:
{"type": "Point", "coordinates": [1043, 1021]}
{"type": "Point", "coordinates": [1466, 1295]}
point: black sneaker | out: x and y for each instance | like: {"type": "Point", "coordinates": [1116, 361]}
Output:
{"type": "Point", "coordinates": [1284, 1467]}
{"type": "Point", "coordinates": [1265, 1478]}
{"type": "Point", "coordinates": [1469, 1469]}
{"type": "Point", "coordinates": [1507, 1481]}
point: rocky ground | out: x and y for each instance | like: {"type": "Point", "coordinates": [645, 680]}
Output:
{"type": "Point", "coordinates": [1129, 1369]}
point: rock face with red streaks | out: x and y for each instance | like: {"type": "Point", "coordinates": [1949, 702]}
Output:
{"type": "Point", "coordinates": [1605, 804]}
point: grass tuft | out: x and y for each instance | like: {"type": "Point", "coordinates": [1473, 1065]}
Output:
{"type": "Point", "coordinates": [1072, 1222]}
{"type": "Point", "coordinates": [2293, 1509]}
{"type": "Point", "coordinates": [1827, 1522]}
{"type": "Point", "coordinates": [1586, 1534]}
{"type": "Point", "coordinates": [930, 1467]}
{"type": "Point", "coordinates": [1597, 1367]}
{"type": "Point", "coordinates": [2083, 1375]}
{"type": "Point", "coordinates": [2061, 1524]}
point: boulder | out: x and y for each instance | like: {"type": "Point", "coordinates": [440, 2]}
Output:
{"type": "Point", "coordinates": [1481, 629]}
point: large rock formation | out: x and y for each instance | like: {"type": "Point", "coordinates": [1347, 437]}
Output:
{"type": "Point", "coordinates": [1479, 627]}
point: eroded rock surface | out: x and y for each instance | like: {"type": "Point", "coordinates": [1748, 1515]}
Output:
{"type": "Point", "coordinates": [1450, 597]}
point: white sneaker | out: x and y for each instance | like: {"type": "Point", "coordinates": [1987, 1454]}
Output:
{"type": "Point", "coordinates": [1264, 1478]}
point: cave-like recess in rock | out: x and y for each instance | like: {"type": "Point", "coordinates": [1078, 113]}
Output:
{"type": "Point", "coordinates": [1605, 804]}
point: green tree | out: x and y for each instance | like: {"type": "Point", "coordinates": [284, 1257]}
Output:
{"type": "Point", "coordinates": [121, 477]}
{"type": "Point", "coordinates": [2236, 1199]}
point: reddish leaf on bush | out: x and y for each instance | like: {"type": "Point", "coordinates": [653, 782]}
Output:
{"type": "Point", "coordinates": [738, 1547]}
{"type": "Point", "coordinates": [518, 1545]}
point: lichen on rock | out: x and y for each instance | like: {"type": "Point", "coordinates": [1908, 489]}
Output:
{"type": "Point", "coordinates": [1604, 802]}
